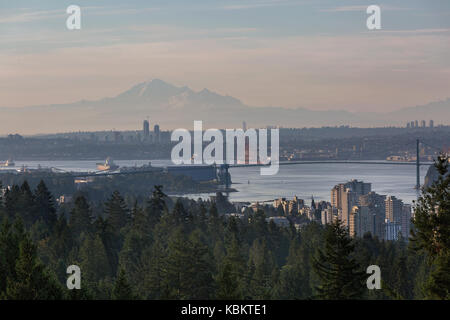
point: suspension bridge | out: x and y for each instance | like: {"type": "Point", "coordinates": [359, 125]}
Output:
{"type": "Point", "coordinates": [224, 168]}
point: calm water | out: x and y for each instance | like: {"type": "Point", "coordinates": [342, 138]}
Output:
{"type": "Point", "coordinates": [303, 180]}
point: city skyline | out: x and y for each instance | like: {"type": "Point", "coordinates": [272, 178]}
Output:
{"type": "Point", "coordinates": [224, 152]}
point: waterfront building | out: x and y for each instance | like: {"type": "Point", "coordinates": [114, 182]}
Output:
{"type": "Point", "coordinates": [394, 209]}
{"type": "Point", "coordinates": [279, 221]}
{"type": "Point", "coordinates": [392, 230]}
{"type": "Point", "coordinates": [146, 129]}
{"type": "Point", "coordinates": [375, 205]}
{"type": "Point", "coordinates": [359, 187]}
{"type": "Point", "coordinates": [406, 220]}
{"type": "Point", "coordinates": [346, 195]}
{"type": "Point", "coordinates": [329, 215]}
{"type": "Point", "coordinates": [362, 221]}
{"type": "Point", "coordinates": [156, 134]}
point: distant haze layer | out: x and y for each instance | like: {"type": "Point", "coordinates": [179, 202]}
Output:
{"type": "Point", "coordinates": [177, 107]}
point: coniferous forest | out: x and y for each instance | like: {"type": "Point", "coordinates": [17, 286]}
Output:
{"type": "Point", "coordinates": [165, 248]}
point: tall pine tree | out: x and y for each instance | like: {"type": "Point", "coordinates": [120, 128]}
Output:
{"type": "Point", "coordinates": [122, 289]}
{"type": "Point", "coordinates": [431, 233]}
{"type": "Point", "coordinates": [81, 217]}
{"type": "Point", "coordinates": [340, 275]}
{"type": "Point", "coordinates": [45, 205]}
{"type": "Point", "coordinates": [156, 206]}
{"type": "Point", "coordinates": [117, 211]}
{"type": "Point", "coordinates": [26, 277]}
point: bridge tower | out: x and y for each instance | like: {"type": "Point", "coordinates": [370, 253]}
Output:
{"type": "Point", "coordinates": [417, 166]}
{"type": "Point", "coordinates": [227, 177]}
{"type": "Point", "coordinates": [224, 174]}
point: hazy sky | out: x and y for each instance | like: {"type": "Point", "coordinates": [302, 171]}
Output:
{"type": "Point", "coordinates": [316, 54]}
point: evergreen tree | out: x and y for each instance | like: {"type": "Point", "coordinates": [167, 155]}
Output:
{"type": "Point", "coordinates": [117, 212]}
{"type": "Point", "coordinates": [182, 217]}
{"type": "Point", "coordinates": [188, 267]}
{"type": "Point", "coordinates": [122, 289]}
{"type": "Point", "coordinates": [27, 278]}
{"type": "Point", "coordinates": [61, 240]}
{"type": "Point", "coordinates": [231, 277]}
{"type": "Point", "coordinates": [259, 224]}
{"type": "Point", "coordinates": [45, 206]}
{"type": "Point", "coordinates": [141, 222]}
{"type": "Point", "coordinates": [85, 293]}
{"type": "Point", "coordinates": [130, 257]}
{"type": "Point", "coordinates": [438, 284]}
{"type": "Point", "coordinates": [11, 202]}
{"type": "Point", "coordinates": [431, 233]}
{"type": "Point", "coordinates": [294, 279]}
{"type": "Point", "coordinates": [202, 219]}
{"type": "Point", "coordinates": [178, 267]}
{"type": "Point", "coordinates": [81, 217]}
{"type": "Point", "coordinates": [26, 205]}
{"type": "Point", "coordinates": [2, 207]}
{"type": "Point", "coordinates": [154, 271]}
{"type": "Point", "coordinates": [228, 287]}
{"type": "Point", "coordinates": [94, 260]}
{"type": "Point", "coordinates": [156, 206]}
{"type": "Point", "coordinates": [340, 275]}
{"type": "Point", "coordinates": [10, 237]}
{"type": "Point", "coordinates": [402, 283]}
{"type": "Point", "coordinates": [112, 242]}
{"type": "Point", "coordinates": [202, 267]}
{"type": "Point", "coordinates": [232, 231]}
{"type": "Point", "coordinates": [261, 266]}
{"type": "Point", "coordinates": [215, 224]}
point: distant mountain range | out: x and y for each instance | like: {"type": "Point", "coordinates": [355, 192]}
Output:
{"type": "Point", "coordinates": [177, 107]}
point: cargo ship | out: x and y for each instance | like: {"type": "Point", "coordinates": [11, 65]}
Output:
{"type": "Point", "coordinates": [7, 163]}
{"type": "Point", "coordinates": [109, 165]}
{"type": "Point", "coordinates": [144, 168]}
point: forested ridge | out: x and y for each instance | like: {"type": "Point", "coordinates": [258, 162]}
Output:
{"type": "Point", "coordinates": [163, 248]}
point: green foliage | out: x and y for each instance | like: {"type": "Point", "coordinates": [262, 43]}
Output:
{"type": "Point", "coordinates": [156, 206]}
{"type": "Point", "coordinates": [122, 289]}
{"type": "Point", "coordinates": [81, 217]}
{"type": "Point", "coordinates": [438, 285]}
{"type": "Point", "coordinates": [261, 265]}
{"type": "Point", "coordinates": [94, 260]}
{"type": "Point", "coordinates": [45, 205]}
{"type": "Point", "coordinates": [432, 214]}
{"type": "Point", "coordinates": [117, 212]}
{"type": "Point", "coordinates": [188, 267]}
{"type": "Point", "coordinates": [431, 234]}
{"type": "Point", "coordinates": [340, 274]}
{"type": "Point", "coordinates": [162, 248]}
{"type": "Point", "coordinates": [101, 188]}
{"type": "Point", "coordinates": [23, 276]}
{"type": "Point", "coordinates": [2, 207]}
